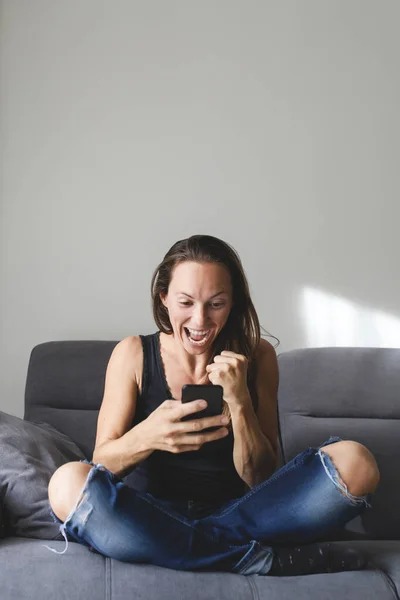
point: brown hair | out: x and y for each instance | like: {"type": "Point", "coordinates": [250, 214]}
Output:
{"type": "Point", "coordinates": [241, 333]}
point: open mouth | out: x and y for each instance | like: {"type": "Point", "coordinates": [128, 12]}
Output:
{"type": "Point", "coordinates": [197, 338]}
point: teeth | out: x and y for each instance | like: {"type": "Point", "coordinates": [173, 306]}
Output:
{"type": "Point", "coordinates": [197, 332]}
{"type": "Point", "coordinates": [205, 336]}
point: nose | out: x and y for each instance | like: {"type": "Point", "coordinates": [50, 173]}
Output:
{"type": "Point", "coordinates": [199, 316]}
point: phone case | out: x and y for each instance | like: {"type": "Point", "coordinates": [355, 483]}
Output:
{"type": "Point", "coordinates": [211, 393]}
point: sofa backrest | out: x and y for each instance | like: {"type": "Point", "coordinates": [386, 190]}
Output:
{"type": "Point", "coordinates": [64, 387]}
{"type": "Point", "coordinates": [350, 392]}
{"type": "Point", "coordinates": [353, 393]}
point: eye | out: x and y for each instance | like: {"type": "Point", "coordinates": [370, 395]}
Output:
{"type": "Point", "coordinates": [218, 305]}
{"type": "Point", "coordinates": [184, 303]}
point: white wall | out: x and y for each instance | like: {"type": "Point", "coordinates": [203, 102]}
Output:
{"type": "Point", "coordinates": [127, 125]}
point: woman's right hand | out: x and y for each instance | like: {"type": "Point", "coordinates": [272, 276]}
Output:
{"type": "Point", "coordinates": [164, 430]}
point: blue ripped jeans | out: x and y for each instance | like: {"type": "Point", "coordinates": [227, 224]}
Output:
{"type": "Point", "coordinates": [300, 503]}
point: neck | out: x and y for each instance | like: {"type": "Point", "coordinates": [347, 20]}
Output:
{"type": "Point", "coordinates": [194, 366]}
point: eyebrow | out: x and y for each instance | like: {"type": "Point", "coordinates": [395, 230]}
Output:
{"type": "Point", "coordinates": [188, 295]}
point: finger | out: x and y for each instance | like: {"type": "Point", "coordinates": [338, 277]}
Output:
{"type": "Point", "coordinates": [194, 425]}
{"type": "Point", "coordinates": [230, 360]}
{"type": "Point", "coordinates": [187, 408]}
{"type": "Point", "coordinates": [202, 438]}
{"type": "Point", "coordinates": [230, 353]}
{"type": "Point", "coordinates": [212, 367]}
{"type": "Point", "coordinates": [168, 404]}
{"type": "Point", "coordinates": [186, 449]}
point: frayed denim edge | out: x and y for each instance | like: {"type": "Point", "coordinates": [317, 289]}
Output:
{"type": "Point", "coordinates": [334, 476]}
{"type": "Point", "coordinates": [95, 467]}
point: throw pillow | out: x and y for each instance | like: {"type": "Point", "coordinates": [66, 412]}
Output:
{"type": "Point", "coordinates": [29, 455]}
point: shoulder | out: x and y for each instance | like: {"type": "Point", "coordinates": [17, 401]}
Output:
{"type": "Point", "coordinates": [129, 346]}
{"type": "Point", "coordinates": [129, 354]}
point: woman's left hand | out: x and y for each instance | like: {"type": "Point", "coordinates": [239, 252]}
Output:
{"type": "Point", "coordinates": [230, 370]}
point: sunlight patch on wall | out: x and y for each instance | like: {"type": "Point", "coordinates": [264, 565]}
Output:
{"type": "Point", "coordinates": [330, 320]}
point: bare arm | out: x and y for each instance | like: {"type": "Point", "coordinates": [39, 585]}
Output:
{"type": "Point", "coordinates": [122, 455]}
{"type": "Point", "coordinates": [118, 446]}
{"type": "Point", "coordinates": [256, 434]}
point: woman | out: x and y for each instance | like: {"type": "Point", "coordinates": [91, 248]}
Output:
{"type": "Point", "coordinates": [206, 500]}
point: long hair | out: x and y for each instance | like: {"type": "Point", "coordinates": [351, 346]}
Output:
{"type": "Point", "coordinates": [242, 332]}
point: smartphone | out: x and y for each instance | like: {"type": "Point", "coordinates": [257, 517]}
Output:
{"type": "Point", "coordinates": [211, 393]}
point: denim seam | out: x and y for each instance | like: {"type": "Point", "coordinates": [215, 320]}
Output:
{"type": "Point", "coordinates": [274, 477]}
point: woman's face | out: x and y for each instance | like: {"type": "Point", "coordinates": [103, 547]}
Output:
{"type": "Point", "coordinates": [199, 301]}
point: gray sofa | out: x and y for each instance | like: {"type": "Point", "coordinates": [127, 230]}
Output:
{"type": "Point", "coordinates": [350, 392]}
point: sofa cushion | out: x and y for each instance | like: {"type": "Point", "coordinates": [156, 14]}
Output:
{"type": "Point", "coordinates": [29, 455]}
{"type": "Point", "coordinates": [80, 573]}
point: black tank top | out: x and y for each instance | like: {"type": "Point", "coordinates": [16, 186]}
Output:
{"type": "Point", "coordinates": [207, 474]}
